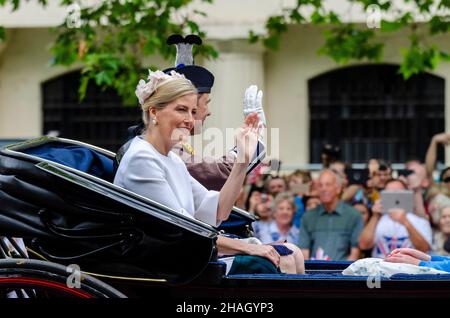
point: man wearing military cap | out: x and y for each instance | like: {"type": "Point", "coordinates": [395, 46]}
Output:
{"type": "Point", "coordinates": [211, 173]}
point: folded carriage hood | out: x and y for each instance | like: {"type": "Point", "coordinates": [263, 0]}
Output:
{"type": "Point", "coordinates": [73, 217]}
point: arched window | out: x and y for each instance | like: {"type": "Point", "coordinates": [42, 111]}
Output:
{"type": "Point", "coordinates": [100, 119]}
{"type": "Point", "coordinates": [371, 112]}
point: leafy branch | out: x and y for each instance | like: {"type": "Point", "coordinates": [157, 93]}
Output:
{"type": "Point", "coordinates": [345, 42]}
{"type": "Point", "coordinates": [113, 39]}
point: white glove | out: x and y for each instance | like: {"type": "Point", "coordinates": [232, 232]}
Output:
{"type": "Point", "coordinates": [253, 103]}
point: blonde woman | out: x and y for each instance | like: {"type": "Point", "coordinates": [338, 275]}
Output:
{"type": "Point", "coordinates": [151, 169]}
{"type": "Point", "coordinates": [281, 228]}
{"type": "Point", "coordinates": [442, 235]}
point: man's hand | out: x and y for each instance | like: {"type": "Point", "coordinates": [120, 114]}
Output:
{"type": "Point", "coordinates": [442, 138]}
{"type": "Point", "coordinates": [398, 215]}
{"type": "Point", "coordinates": [253, 103]}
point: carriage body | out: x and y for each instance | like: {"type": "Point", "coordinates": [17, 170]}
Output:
{"type": "Point", "coordinates": [58, 195]}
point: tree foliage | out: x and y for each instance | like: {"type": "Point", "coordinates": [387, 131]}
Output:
{"type": "Point", "coordinates": [349, 41]}
{"type": "Point", "coordinates": [112, 39]}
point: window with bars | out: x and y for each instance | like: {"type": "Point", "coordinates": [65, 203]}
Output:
{"type": "Point", "coordinates": [100, 120]}
{"type": "Point", "coordinates": [371, 112]}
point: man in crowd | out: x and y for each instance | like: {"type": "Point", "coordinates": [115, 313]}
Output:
{"type": "Point", "coordinates": [419, 183]}
{"type": "Point", "coordinates": [430, 159]}
{"type": "Point", "coordinates": [276, 185]}
{"type": "Point", "coordinates": [331, 230]}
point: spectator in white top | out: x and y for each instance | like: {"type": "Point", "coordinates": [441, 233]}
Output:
{"type": "Point", "coordinates": [396, 229]}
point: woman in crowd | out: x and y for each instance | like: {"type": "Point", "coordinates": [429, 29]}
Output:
{"type": "Point", "coordinates": [281, 228]}
{"type": "Point", "coordinates": [151, 169]}
{"type": "Point", "coordinates": [264, 211]}
{"type": "Point", "coordinates": [443, 234]}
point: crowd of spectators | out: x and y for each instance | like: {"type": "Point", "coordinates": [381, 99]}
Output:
{"type": "Point", "coordinates": [331, 215]}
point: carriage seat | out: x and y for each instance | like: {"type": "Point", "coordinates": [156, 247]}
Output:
{"type": "Point", "coordinates": [77, 157]}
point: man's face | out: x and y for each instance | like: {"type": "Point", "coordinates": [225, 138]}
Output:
{"type": "Point", "coordinates": [419, 173]}
{"type": "Point", "coordinates": [202, 112]}
{"type": "Point", "coordinates": [328, 187]}
{"type": "Point", "coordinates": [277, 186]}
{"type": "Point", "coordinates": [381, 177]}
{"type": "Point", "coordinates": [202, 107]}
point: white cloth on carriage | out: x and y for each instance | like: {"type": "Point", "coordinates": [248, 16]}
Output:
{"type": "Point", "coordinates": [378, 267]}
{"type": "Point", "coordinates": [166, 180]}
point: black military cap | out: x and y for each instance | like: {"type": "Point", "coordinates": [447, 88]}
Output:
{"type": "Point", "coordinates": [202, 79]}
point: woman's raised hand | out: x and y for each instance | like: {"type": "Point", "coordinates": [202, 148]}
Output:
{"type": "Point", "coordinates": [247, 139]}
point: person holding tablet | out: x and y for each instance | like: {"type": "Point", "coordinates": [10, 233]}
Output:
{"type": "Point", "coordinates": [397, 228]}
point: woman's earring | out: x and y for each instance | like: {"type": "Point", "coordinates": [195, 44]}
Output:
{"type": "Point", "coordinates": [154, 121]}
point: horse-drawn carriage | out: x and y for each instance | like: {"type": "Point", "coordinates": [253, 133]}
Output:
{"type": "Point", "coordinates": [57, 194]}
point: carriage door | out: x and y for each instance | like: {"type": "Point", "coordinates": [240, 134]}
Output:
{"type": "Point", "coordinates": [371, 112]}
{"type": "Point", "coordinates": [100, 120]}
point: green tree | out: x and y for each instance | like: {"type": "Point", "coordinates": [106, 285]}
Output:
{"type": "Point", "coordinates": [112, 38]}
{"type": "Point", "coordinates": [348, 41]}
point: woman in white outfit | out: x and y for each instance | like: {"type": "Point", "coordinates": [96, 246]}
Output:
{"type": "Point", "coordinates": [151, 169]}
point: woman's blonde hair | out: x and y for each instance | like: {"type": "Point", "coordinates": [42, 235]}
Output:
{"type": "Point", "coordinates": [284, 196]}
{"type": "Point", "coordinates": [166, 91]}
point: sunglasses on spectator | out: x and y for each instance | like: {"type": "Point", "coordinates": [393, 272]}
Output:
{"type": "Point", "coordinates": [446, 180]}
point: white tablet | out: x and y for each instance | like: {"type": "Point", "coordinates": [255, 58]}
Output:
{"type": "Point", "coordinates": [403, 199]}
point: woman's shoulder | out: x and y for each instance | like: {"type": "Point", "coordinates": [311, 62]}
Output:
{"type": "Point", "coordinates": [140, 152]}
